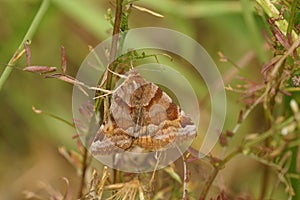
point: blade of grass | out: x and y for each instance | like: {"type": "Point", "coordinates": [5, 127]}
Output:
{"type": "Point", "coordinates": [292, 17]}
{"type": "Point", "coordinates": [253, 29]}
{"type": "Point", "coordinates": [86, 14]}
{"type": "Point", "coordinates": [195, 9]}
{"type": "Point", "coordinates": [28, 36]}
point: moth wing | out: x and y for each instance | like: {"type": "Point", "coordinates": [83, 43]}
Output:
{"type": "Point", "coordinates": [107, 144]}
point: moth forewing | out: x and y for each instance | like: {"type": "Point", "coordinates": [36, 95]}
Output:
{"type": "Point", "coordinates": [142, 115]}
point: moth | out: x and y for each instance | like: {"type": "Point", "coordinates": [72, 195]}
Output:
{"type": "Point", "coordinates": [141, 115]}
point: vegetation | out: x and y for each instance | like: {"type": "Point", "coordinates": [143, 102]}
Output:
{"type": "Point", "coordinates": [255, 45]}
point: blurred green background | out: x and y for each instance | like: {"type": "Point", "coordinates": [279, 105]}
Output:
{"type": "Point", "coordinates": [29, 142]}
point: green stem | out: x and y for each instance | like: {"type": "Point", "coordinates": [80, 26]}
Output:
{"type": "Point", "coordinates": [115, 39]}
{"type": "Point", "coordinates": [83, 175]}
{"type": "Point", "coordinates": [116, 31]}
{"type": "Point", "coordinates": [272, 11]}
{"type": "Point", "coordinates": [59, 119]}
{"type": "Point", "coordinates": [113, 54]}
{"type": "Point", "coordinates": [28, 36]}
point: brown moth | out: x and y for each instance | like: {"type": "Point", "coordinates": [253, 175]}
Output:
{"type": "Point", "coordinates": [141, 115]}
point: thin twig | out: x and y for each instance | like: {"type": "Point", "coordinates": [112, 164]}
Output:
{"type": "Point", "coordinates": [115, 39]}
{"type": "Point", "coordinates": [113, 54]}
{"type": "Point", "coordinates": [83, 173]}
{"type": "Point", "coordinates": [208, 183]}
{"type": "Point", "coordinates": [185, 179]}
{"type": "Point", "coordinates": [158, 156]}
{"type": "Point", "coordinates": [294, 46]}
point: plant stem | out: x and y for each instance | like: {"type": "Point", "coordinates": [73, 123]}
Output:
{"type": "Point", "coordinates": [208, 183]}
{"type": "Point", "coordinates": [84, 168]}
{"type": "Point", "coordinates": [28, 36]}
{"type": "Point", "coordinates": [113, 54]}
{"type": "Point", "coordinates": [115, 39]}
{"type": "Point", "coordinates": [244, 147]}
{"type": "Point", "coordinates": [215, 172]}
{"type": "Point", "coordinates": [244, 117]}
{"type": "Point", "coordinates": [294, 46]}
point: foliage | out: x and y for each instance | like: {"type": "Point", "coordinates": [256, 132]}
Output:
{"type": "Point", "coordinates": [270, 87]}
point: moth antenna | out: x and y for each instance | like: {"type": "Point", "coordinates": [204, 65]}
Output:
{"type": "Point", "coordinates": [157, 157]}
{"type": "Point", "coordinates": [102, 96]}
{"type": "Point", "coordinates": [107, 92]}
{"type": "Point", "coordinates": [100, 89]}
{"type": "Point", "coordinates": [114, 73]}
{"type": "Point", "coordinates": [131, 65]}
{"type": "Point", "coordinates": [105, 104]}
